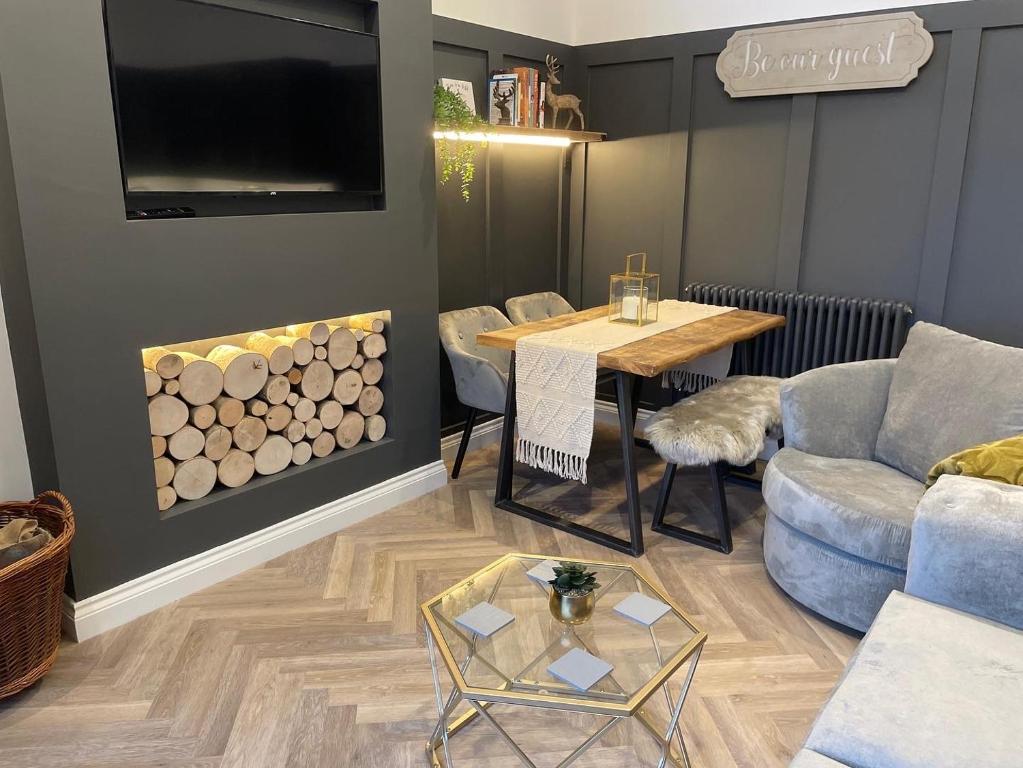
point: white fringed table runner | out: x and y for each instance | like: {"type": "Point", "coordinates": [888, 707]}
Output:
{"type": "Point", "coordinates": [556, 383]}
{"type": "Point", "coordinates": [701, 373]}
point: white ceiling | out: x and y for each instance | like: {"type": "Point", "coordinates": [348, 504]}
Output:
{"type": "Point", "coordinates": [578, 22]}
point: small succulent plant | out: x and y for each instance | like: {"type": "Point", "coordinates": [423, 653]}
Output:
{"type": "Point", "coordinates": [573, 577]}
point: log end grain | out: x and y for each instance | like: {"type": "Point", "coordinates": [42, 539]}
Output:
{"type": "Point", "coordinates": [301, 453]}
{"type": "Point", "coordinates": [167, 414]}
{"type": "Point", "coordinates": [376, 428]}
{"type": "Point", "coordinates": [166, 497]}
{"type": "Point", "coordinates": [273, 456]}
{"type": "Point", "coordinates": [186, 443]}
{"type": "Point", "coordinates": [218, 442]}
{"type": "Point", "coordinates": [236, 468]}
{"type": "Point", "coordinates": [195, 478]}
{"type": "Point", "coordinates": [350, 430]}
{"type": "Point", "coordinates": [249, 433]}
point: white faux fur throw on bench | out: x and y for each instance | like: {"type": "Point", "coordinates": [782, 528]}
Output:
{"type": "Point", "coordinates": [726, 422]}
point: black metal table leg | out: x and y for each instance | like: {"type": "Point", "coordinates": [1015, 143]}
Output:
{"type": "Point", "coordinates": [504, 464]}
{"type": "Point", "coordinates": [628, 404]}
{"type": "Point", "coordinates": [505, 470]}
{"type": "Point", "coordinates": [639, 442]}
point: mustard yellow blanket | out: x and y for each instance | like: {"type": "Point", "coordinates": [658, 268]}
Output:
{"type": "Point", "coordinates": [1001, 461]}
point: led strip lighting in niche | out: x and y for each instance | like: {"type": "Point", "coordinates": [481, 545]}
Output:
{"type": "Point", "coordinates": [224, 410]}
{"type": "Point", "coordinates": [504, 138]}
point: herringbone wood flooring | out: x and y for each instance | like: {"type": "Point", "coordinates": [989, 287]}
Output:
{"type": "Point", "coordinates": [318, 658]}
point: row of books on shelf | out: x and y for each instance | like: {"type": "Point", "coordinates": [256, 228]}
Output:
{"type": "Point", "coordinates": [517, 97]}
{"type": "Point", "coordinates": [514, 96]}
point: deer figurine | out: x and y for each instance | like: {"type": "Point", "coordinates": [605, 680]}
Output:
{"type": "Point", "coordinates": [501, 99]}
{"type": "Point", "coordinates": [559, 101]}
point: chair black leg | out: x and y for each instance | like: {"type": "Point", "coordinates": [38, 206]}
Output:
{"type": "Point", "coordinates": [470, 422]}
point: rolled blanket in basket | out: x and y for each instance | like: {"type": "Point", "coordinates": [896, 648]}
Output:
{"type": "Point", "coordinates": [21, 538]}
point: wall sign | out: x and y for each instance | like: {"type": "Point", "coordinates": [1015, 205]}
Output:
{"type": "Point", "coordinates": [880, 51]}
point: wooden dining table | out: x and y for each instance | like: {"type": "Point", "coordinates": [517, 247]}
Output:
{"type": "Point", "coordinates": [628, 365]}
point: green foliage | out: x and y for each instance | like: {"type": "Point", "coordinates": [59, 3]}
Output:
{"type": "Point", "coordinates": [569, 576]}
{"type": "Point", "coordinates": [457, 157]}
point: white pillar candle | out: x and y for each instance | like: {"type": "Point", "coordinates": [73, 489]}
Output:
{"type": "Point", "coordinates": [630, 307]}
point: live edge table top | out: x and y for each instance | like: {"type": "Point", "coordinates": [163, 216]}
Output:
{"type": "Point", "coordinates": [655, 354]}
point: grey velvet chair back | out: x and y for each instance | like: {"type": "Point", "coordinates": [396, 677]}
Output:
{"type": "Point", "coordinates": [536, 306]}
{"type": "Point", "coordinates": [481, 373]}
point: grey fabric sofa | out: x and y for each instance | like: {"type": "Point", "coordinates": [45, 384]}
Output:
{"type": "Point", "coordinates": [938, 680]}
{"type": "Point", "coordinates": [860, 439]}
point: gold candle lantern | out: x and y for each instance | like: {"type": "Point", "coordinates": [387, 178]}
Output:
{"type": "Point", "coordinates": [634, 293]}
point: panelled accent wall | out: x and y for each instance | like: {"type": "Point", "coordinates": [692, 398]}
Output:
{"type": "Point", "coordinates": [907, 194]}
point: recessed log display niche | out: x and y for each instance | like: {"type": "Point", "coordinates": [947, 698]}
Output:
{"type": "Point", "coordinates": [223, 411]}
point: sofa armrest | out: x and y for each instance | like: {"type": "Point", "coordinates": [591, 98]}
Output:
{"type": "Point", "coordinates": [836, 411]}
{"type": "Point", "coordinates": [967, 548]}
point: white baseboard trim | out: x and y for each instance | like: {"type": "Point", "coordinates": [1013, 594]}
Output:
{"type": "Point", "coordinates": [483, 435]}
{"type": "Point", "coordinates": [93, 615]}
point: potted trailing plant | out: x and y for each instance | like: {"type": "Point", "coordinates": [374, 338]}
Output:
{"type": "Point", "coordinates": [572, 588]}
{"type": "Point", "coordinates": [457, 158]}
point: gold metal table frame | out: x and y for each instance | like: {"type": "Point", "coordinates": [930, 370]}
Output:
{"type": "Point", "coordinates": [519, 689]}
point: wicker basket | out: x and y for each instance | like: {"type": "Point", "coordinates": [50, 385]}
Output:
{"type": "Point", "coordinates": [31, 592]}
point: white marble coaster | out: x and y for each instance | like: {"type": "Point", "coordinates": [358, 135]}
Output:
{"type": "Point", "coordinates": [641, 608]}
{"type": "Point", "coordinates": [484, 619]}
{"type": "Point", "coordinates": [542, 572]}
{"type": "Point", "coordinates": [580, 669]}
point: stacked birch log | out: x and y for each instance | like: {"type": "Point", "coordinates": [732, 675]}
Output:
{"type": "Point", "coordinates": [263, 405]}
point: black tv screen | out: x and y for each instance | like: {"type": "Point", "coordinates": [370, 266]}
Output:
{"type": "Point", "coordinates": [218, 101]}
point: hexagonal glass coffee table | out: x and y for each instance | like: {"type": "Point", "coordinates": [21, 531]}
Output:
{"type": "Point", "coordinates": [509, 667]}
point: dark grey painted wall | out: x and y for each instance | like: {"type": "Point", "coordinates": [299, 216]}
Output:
{"type": "Point", "coordinates": [509, 238]}
{"type": "Point", "coordinates": [21, 321]}
{"type": "Point", "coordinates": [908, 194]}
{"type": "Point", "coordinates": [102, 287]}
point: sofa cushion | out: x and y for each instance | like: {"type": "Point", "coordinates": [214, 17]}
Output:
{"type": "Point", "coordinates": [1000, 460]}
{"type": "Point", "coordinates": [929, 687]}
{"type": "Point", "coordinates": [949, 391]}
{"type": "Point", "coordinates": [807, 758]}
{"type": "Point", "coordinates": [861, 507]}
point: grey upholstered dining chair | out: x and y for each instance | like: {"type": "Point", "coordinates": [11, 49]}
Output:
{"type": "Point", "coordinates": [481, 373]}
{"type": "Point", "coordinates": [536, 306]}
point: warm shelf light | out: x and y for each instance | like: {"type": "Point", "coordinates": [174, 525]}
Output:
{"type": "Point", "coordinates": [504, 138]}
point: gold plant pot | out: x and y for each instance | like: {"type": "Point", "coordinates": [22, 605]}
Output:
{"type": "Point", "coordinates": [571, 609]}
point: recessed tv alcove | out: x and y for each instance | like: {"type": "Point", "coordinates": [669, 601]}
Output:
{"type": "Point", "coordinates": [230, 110]}
{"type": "Point", "coordinates": [228, 411]}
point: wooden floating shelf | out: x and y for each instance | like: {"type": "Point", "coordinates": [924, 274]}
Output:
{"type": "Point", "coordinates": [576, 137]}
{"type": "Point", "coordinates": [519, 134]}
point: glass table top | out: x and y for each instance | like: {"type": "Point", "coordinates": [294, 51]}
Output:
{"type": "Point", "coordinates": [515, 658]}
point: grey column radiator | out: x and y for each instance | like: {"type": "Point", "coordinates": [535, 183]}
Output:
{"type": "Point", "coordinates": [821, 330]}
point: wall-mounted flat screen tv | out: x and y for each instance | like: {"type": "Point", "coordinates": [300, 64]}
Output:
{"type": "Point", "coordinates": [222, 110]}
